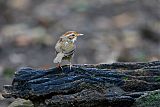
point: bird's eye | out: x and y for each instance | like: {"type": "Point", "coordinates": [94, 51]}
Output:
{"type": "Point", "coordinates": [72, 35]}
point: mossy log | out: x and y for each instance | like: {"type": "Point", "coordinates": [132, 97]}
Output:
{"type": "Point", "coordinates": [101, 85]}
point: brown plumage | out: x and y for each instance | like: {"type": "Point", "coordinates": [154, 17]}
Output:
{"type": "Point", "coordinates": [65, 47]}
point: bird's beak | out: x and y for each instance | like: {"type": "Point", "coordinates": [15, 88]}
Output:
{"type": "Point", "coordinates": [80, 34]}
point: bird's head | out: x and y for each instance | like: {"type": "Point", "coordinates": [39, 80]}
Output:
{"type": "Point", "coordinates": [71, 35]}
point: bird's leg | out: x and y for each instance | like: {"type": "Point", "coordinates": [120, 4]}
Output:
{"type": "Point", "coordinates": [70, 64]}
{"type": "Point", "coordinates": [59, 66]}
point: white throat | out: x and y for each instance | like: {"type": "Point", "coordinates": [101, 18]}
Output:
{"type": "Point", "coordinates": [74, 39]}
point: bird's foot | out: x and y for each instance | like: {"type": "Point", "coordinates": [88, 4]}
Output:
{"type": "Point", "coordinates": [70, 66]}
{"type": "Point", "coordinates": [59, 66]}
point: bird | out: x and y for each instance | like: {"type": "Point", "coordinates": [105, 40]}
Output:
{"type": "Point", "coordinates": [65, 47]}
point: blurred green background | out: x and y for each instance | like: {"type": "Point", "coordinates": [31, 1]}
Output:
{"type": "Point", "coordinates": [115, 30]}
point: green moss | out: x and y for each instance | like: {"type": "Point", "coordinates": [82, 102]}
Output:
{"type": "Point", "coordinates": [157, 79]}
{"type": "Point", "coordinates": [21, 103]}
{"type": "Point", "coordinates": [125, 78]}
{"type": "Point", "coordinates": [150, 100]}
{"type": "Point", "coordinates": [8, 72]}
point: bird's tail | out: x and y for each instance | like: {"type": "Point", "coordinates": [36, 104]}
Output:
{"type": "Point", "coordinates": [59, 57]}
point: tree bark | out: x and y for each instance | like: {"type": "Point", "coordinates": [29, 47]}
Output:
{"type": "Point", "coordinates": [100, 85]}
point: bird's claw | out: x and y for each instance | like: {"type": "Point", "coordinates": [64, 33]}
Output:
{"type": "Point", "coordinates": [70, 66]}
{"type": "Point", "coordinates": [59, 66]}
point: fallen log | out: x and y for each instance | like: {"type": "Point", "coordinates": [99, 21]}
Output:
{"type": "Point", "coordinates": [101, 85]}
